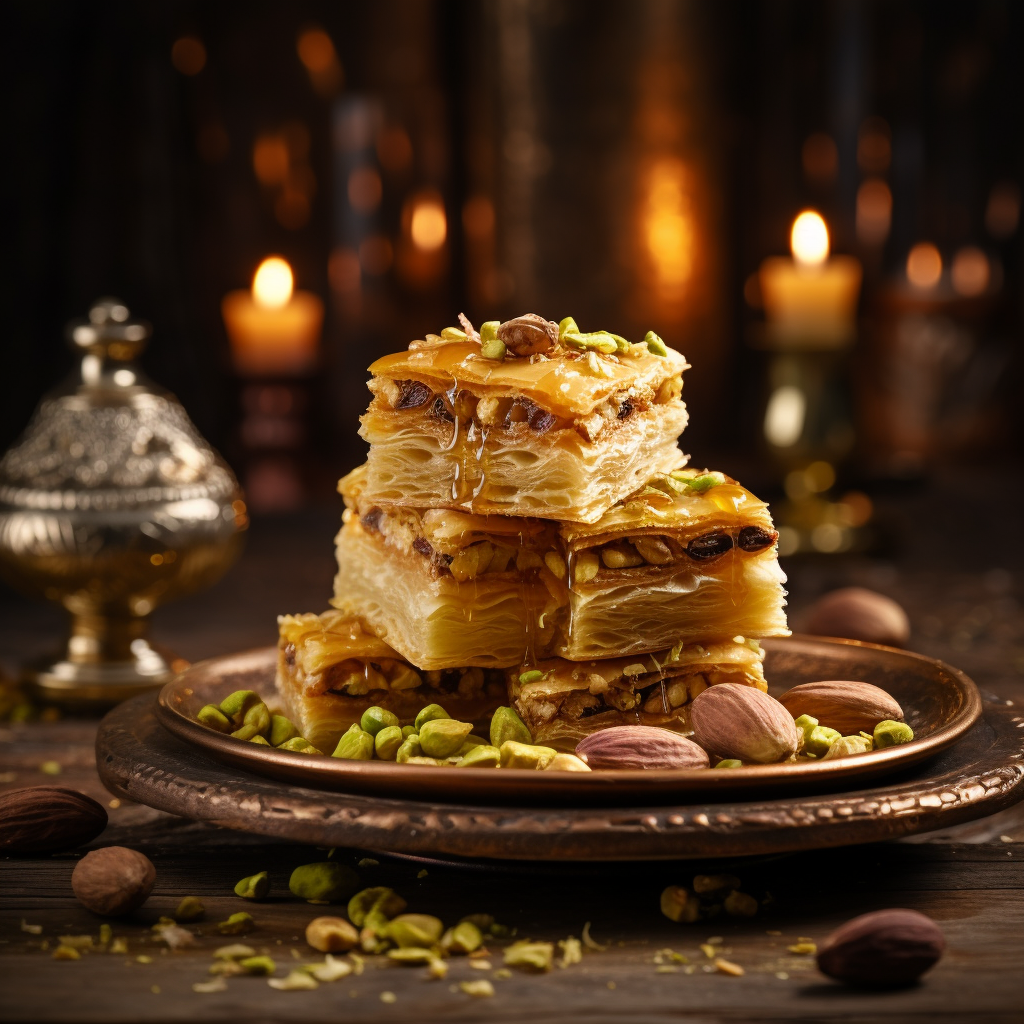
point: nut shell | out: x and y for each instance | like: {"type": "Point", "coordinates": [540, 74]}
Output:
{"type": "Point", "coordinates": [733, 720]}
{"type": "Point", "coordinates": [859, 614]}
{"type": "Point", "coordinates": [885, 949]}
{"type": "Point", "coordinates": [640, 746]}
{"type": "Point", "coordinates": [113, 881]}
{"type": "Point", "coordinates": [528, 335]}
{"type": "Point", "coordinates": [45, 819]}
{"type": "Point", "coordinates": [846, 705]}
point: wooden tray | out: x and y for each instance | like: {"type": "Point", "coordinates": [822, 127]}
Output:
{"type": "Point", "coordinates": [137, 758]}
{"type": "Point", "coordinates": [940, 704]}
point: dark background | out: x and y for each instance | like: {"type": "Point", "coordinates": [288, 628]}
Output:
{"type": "Point", "coordinates": [132, 178]}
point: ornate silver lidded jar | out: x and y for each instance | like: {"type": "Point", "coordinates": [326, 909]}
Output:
{"type": "Point", "coordinates": [110, 504]}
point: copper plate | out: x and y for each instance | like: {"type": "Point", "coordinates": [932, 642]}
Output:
{"type": "Point", "coordinates": [940, 704]}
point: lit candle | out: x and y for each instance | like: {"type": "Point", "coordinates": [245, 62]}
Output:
{"type": "Point", "coordinates": [810, 300]}
{"type": "Point", "coordinates": [274, 330]}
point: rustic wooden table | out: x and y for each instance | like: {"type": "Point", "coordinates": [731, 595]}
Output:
{"type": "Point", "coordinates": [970, 879]}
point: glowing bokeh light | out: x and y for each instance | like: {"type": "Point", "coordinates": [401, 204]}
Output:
{"type": "Point", "coordinates": [809, 239]}
{"type": "Point", "coordinates": [428, 225]}
{"type": "Point", "coordinates": [273, 283]}
{"type": "Point", "coordinates": [924, 265]}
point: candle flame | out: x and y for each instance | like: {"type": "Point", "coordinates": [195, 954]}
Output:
{"type": "Point", "coordinates": [809, 239]}
{"type": "Point", "coordinates": [428, 224]}
{"type": "Point", "coordinates": [273, 283]}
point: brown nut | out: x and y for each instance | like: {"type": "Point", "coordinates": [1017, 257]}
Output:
{"type": "Point", "coordinates": [528, 335]}
{"type": "Point", "coordinates": [733, 720]}
{"type": "Point", "coordinates": [885, 949]}
{"type": "Point", "coordinates": [859, 614]}
{"type": "Point", "coordinates": [45, 819]}
{"type": "Point", "coordinates": [640, 746]}
{"type": "Point", "coordinates": [113, 881]}
{"type": "Point", "coordinates": [331, 934]}
{"type": "Point", "coordinates": [848, 706]}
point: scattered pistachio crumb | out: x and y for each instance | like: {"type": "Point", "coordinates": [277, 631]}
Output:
{"type": "Point", "coordinates": [213, 985]}
{"type": "Point", "coordinates": [715, 940]}
{"type": "Point", "coordinates": [804, 947]}
{"type": "Point", "coordinates": [666, 969]}
{"type": "Point", "coordinates": [294, 982]}
{"type": "Point", "coordinates": [611, 984]}
{"type": "Point", "coordinates": [589, 942]}
{"type": "Point", "coordinates": [119, 945]}
{"type": "Point", "coordinates": [368, 862]}
{"type": "Point", "coordinates": [773, 933]}
{"type": "Point", "coordinates": [782, 975]}
{"type": "Point", "coordinates": [502, 974]}
{"type": "Point", "coordinates": [77, 941]}
{"type": "Point", "coordinates": [708, 950]}
{"type": "Point", "coordinates": [437, 969]}
{"type": "Point", "coordinates": [106, 933]}
{"type": "Point", "coordinates": [51, 768]}
{"type": "Point", "coordinates": [728, 967]}
{"type": "Point", "coordinates": [422, 873]}
{"type": "Point", "coordinates": [388, 997]}
{"type": "Point", "coordinates": [572, 951]}
{"type": "Point", "coordinates": [66, 953]}
{"type": "Point", "coordinates": [481, 965]}
{"type": "Point", "coordinates": [234, 952]}
{"type": "Point", "coordinates": [481, 988]}
{"type": "Point", "coordinates": [1006, 839]}
{"type": "Point", "coordinates": [32, 929]}
{"type": "Point", "coordinates": [143, 959]}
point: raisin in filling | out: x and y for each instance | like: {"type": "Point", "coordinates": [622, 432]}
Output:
{"type": "Point", "coordinates": [753, 538]}
{"type": "Point", "coordinates": [371, 521]}
{"type": "Point", "coordinates": [414, 393]}
{"type": "Point", "coordinates": [711, 545]}
{"type": "Point", "coordinates": [439, 410]}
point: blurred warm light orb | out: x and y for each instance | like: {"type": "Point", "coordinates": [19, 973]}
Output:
{"type": "Point", "coordinates": [1002, 213]}
{"type": "Point", "coordinates": [428, 225]}
{"type": "Point", "coordinates": [924, 265]}
{"type": "Point", "coordinates": [316, 51]}
{"type": "Point", "coordinates": [970, 272]}
{"type": "Point", "coordinates": [874, 146]}
{"type": "Point", "coordinates": [784, 416]}
{"type": "Point", "coordinates": [270, 159]}
{"type": "Point", "coordinates": [273, 283]}
{"type": "Point", "coordinates": [874, 211]}
{"type": "Point", "coordinates": [667, 224]}
{"type": "Point", "coordinates": [809, 239]}
{"type": "Point", "coordinates": [364, 189]}
{"type": "Point", "coordinates": [188, 55]}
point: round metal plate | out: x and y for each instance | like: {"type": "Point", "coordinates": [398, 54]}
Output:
{"type": "Point", "coordinates": [940, 704]}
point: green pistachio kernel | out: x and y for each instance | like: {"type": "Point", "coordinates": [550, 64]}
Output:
{"type": "Point", "coordinates": [263, 965]}
{"type": "Point", "coordinates": [417, 930]}
{"type": "Point", "coordinates": [846, 746]}
{"type": "Point", "coordinates": [429, 714]}
{"type": "Point", "coordinates": [324, 882]}
{"type": "Point", "coordinates": [299, 745]}
{"type": "Point", "coordinates": [255, 722]}
{"type": "Point", "coordinates": [463, 938]}
{"type": "Point", "coordinates": [729, 762]}
{"type": "Point", "coordinates": [236, 704]}
{"type": "Point", "coordinates": [443, 736]}
{"type": "Point", "coordinates": [388, 741]}
{"type": "Point", "coordinates": [255, 887]}
{"type": "Point", "coordinates": [410, 748]}
{"type": "Point", "coordinates": [489, 330]}
{"type": "Point", "coordinates": [525, 755]}
{"type": "Point", "coordinates": [597, 341]}
{"type": "Point", "coordinates": [493, 348]}
{"type": "Point", "coordinates": [472, 740]}
{"type": "Point", "coordinates": [409, 730]}
{"type": "Point", "coordinates": [535, 955]}
{"type": "Point", "coordinates": [212, 717]}
{"type": "Point", "coordinates": [281, 730]}
{"type": "Point", "coordinates": [890, 734]}
{"type": "Point", "coordinates": [703, 483]}
{"type": "Point", "coordinates": [485, 756]}
{"type": "Point", "coordinates": [621, 344]}
{"type": "Point", "coordinates": [190, 909]}
{"type": "Point", "coordinates": [433, 762]}
{"type": "Point", "coordinates": [819, 739]}
{"type": "Point", "coordinates": [567, 326]}
{"type": "Point", "coordinates": [805, 723]}
{"type": "Point", "coordinates": [412, 955]}
{"type": "Point", "coordinates": [374, 719]}
{"type": "Point", "coordinates": [507, 725]}
{"type": "Point", "coordinates": [373, 907]}
{"type": "Point", "coordinates": [236, 924]}
{"type": "Point", "coordinates": [453, 334]}
{"type": "Point", "coordinates": [534, 675]}
{"type": "Point", "coordinates": [655, 344]}
{"type": "Point", "coordinates": [355, 745]}
{"type": "Point", "coordinates": [259, 741]}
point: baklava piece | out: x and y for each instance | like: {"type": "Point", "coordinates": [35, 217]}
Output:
{"type": "Point", "coordinates": [524, 418]}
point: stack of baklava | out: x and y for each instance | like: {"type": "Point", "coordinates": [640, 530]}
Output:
{"type": "Point", "coordinates": [524, 531]}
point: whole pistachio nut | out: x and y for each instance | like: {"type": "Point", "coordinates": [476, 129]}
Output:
{"type": "Point", "coordinates": [355, 745]}
{"type": "Point", "coordinates": [380, 898]}
{"type": "Point", "coordinates": [281, 730]}
{"type": "Point", "coordinates": [655, 344]}
{"type": "Point", "coordinates": [263, 965]}
{"type": "Point", "coordinates": [739, 904]}
{"type": "Point", "coordinates": [331, 934]}
{"type": "Point", "coordinates": [485, 756]}
{"type": "Point", "coordinates": [191, 908]}
{"type": "Point", "coordinates": [212, 717]}
{"type": "Point", "coordinates": [414, 930]}
{"type": "Point", "coordinates": [462, 938]}
{"type": "Point", "coordinates": [891, 734]}
{"type": "Point", "coordinates": [471, 741]}
{"type": "Point", "coordinates": [260, 741]}
{"type": "Point", "coordinates": [323, 882]}
{"type": "Point", "coordinates": [489, 330]}
{"type": "Point", "coordinates": [443, 736]}
{"type": "Point", "coordinates": [525, 755]}
{"type": "Point", "coordinates": [255, 887]}
{"type": "Point", "coordinates": [255, 722]}
{"type": "Point", "coordinates": [528, 335]}
{"type": "Point", "coordinates": [429, 714]}
{"type": "Point", "coordinates": [236, 704]}
{"type": "Point", "coordinates": [409, 730]}
{"type": "Point", "coordinates": [299, 745]}
{"type": "Point", "coordinates": [388, 741]}
{"type": "Point", "coordinates": [409, 749]}
{"type": "Point", "coordinates": [376, 718]}
{"type": "Point", "coordinates": [507, 725]}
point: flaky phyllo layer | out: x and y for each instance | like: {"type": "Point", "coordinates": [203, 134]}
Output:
{"type": "Point", "coordinates": [562, 701]}
{"type": "Point", "coordinates": [331, 668]}
{"type": "Point", "coordinates": [563, 432]}
{"type": "Point", "coordinates": [690, 558]}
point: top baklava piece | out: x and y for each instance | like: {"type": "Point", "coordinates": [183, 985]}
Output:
{"type": "Point", "coordinates": [523, 418]}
